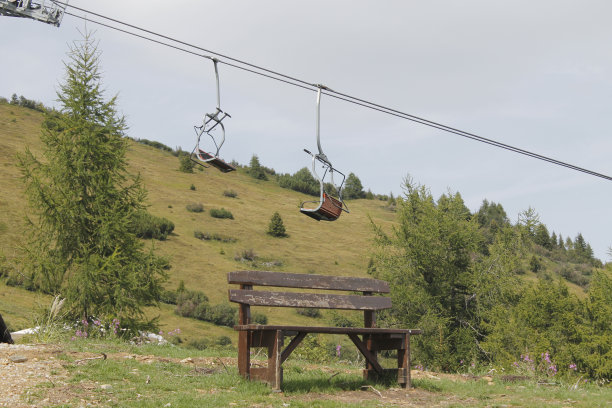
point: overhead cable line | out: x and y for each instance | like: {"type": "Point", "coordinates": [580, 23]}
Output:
{"type": "Point", "coordinates": [291, 80]}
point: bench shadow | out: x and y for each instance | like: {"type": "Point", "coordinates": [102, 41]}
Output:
{"type": "Point", "coordinates": [304, 383]}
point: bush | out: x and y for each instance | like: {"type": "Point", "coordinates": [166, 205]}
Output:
{"type": "Point", "coordinates": [339, 320]}
{"type": "Point", "coordinates": [148, 226]}
{"type": "Point", "coordinates": [314, 349]}
{"type": "Point", "coordinates": [259, 318]}
{"type": "Point", "coordinates": [192, 187]}
{"type": "Point", "coordinates": [222, 315]}
{"type": "Point", "coordinates": [276, 228]}
{"type": "Point", "coordinates": [186, 164]}
{"type": "Point", "coordinates": [27, 103]}
{"type": "Point", "coordinates": [188, 301]}
{"type": "Point", "coordinates": [308, 312]}
{"type": "Point", "coordinates": [199, 344]}
{"type": "Point", "coordinates": [220, 213]}
{"type": "Point", "coordinates": [195, 207]}
{"type": "Point", "coordinates": [301, 181]}
{"type": "Point", "coordinates": [246, 255]}
{"type": "Point", "coordinates": [205, 236]}
{"type": "Point", "coordinates": [169, 297]}
{"type": "Point", "coordinates": [155, 144]}
{"type": "Point", "coordinates": [223, 341]}
{"type": "Point", "coordinates": [202, 312]}
{"type": "Point", "coordinates": [230, 193]}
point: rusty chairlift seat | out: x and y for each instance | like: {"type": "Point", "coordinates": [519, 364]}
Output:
{"type": "Point", "coordinates": [327, 208]}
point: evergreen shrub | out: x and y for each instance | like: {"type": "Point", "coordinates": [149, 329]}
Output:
{"type": "Point", "coordinates": [220, 213]}
{"type": "Point", "coordinates": [148, 226]}
{"type": "Point", "coordinates": [195, 207]}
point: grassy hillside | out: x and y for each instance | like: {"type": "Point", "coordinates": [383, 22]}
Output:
{"type": "Point", "coordinates": [338, 248]}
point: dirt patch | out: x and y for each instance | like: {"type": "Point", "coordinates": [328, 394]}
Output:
{"type": "Point", "coordinates": [25, 367]}
{"type": "Point", "coordinates": [392, 397]}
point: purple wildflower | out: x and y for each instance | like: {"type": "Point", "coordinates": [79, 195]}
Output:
{"type": "Point", "coordinates": [338, 347]}
{"type": "Point", "coordinates": [573, 367]}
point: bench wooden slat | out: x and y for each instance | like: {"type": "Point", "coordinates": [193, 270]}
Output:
{"type": "Point", "coordinates": [329, 330]}
{"type": "Point", "coordinates": [310, 300]}
{"type": "Point", "coordinates": [306, 281]}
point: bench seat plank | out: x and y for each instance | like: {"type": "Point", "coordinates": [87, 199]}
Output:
{"type": "Point", "coordinates": [306, 281]}
{"type": "Point", "coordinates": [310, 300]}
{"type": "Point", "coordinates": [327, 330]}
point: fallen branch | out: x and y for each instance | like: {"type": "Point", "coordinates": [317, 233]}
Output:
{"type": "Point", "coordinates": [369, 387]}
{"type": "Point", "coordinates": [223, 364]}
{"type": "Point", "coordinates": [101, 357]}
{"type": "Point", "coordinates": [333, 375]}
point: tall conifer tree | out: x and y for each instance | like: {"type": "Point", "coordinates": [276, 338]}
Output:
{"type": "Point", "coordinates": [83, 200]}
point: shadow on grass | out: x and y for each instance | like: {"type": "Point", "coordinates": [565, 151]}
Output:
{"type": "Point", "coordinates": [318, 381]}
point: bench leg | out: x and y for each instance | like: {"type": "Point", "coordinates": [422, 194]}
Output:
{"type": "Point", "coordinates": [275, 370]}
{"type": "Point", "coordinates": [371, 346]}
{"type": "Point", "coordinates": [401, 343]}
{"type": "Point", "coordinates": [244, 354]}
{"type": "Point", "coordinates": [272, 374]}
{"type": "Point", "coordinates": [403, 362]}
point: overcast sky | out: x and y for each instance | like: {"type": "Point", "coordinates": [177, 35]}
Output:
{"type": "Point", "coordinates": [532, 74]}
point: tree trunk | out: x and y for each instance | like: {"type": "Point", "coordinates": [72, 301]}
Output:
{"type": "Point", "coordinates": [5, 335]}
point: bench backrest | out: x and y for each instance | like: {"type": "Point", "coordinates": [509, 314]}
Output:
{"type": "Point", "coordinates": [247, 297]}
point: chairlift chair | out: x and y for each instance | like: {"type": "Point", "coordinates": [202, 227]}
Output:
{"type": "Point", "coordinates": [49, 12]}
{"type": "Point", "coordinates": [327, 208]}
{"type": "Point", "coordinates": [212, 123]}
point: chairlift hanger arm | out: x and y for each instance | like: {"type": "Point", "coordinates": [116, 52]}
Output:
{"type": "Point", "coordinates": [51, 13]}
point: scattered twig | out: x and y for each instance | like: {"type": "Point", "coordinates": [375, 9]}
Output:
{"type": "Point", "coordinates": [369, 387]}
{"type": "Point", "coordinates": [148, 380]}
{"type": "Point", "coordinates": [101, 357]}
{"type": "Point", "coordinates": [223, 364]}
{"type": "Point", "coordinates": [333, 375]}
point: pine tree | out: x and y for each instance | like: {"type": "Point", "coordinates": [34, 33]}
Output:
{"type": "Point", "coordinates": [186, 164]}
{"type": "Point", "coordinates": [276, 228]}
{"type": "Point", "coordinates": [84, 200]}
{"type": "Point", "coordinates": [541, 236]}
{"type": "Point", "coordinates": [353, 187]}
{"type": "Point", "coordinates": [256, 170]}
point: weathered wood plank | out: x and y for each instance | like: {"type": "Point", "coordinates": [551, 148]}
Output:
{"type": "Point", "coordinates": [310, 300]}
{"type": "Point", "coordinates": [326, 330]}
{"type": "Point", "coordinates": [306, 281]}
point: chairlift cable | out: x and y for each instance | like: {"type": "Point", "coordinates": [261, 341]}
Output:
{"type": "Point", "coordinates": [197, 54]}
{"type": "Point", "coordinates": [290, 80]}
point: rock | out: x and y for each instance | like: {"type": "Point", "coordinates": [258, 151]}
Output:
{"type": "Point", "coordinates": [106, 387]}
{"type": "Point", "coordinates": [187, 360]}
{"type": "Point", "coordinates": [18, 359]}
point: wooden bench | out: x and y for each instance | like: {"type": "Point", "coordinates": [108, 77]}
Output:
{"type": "Point", "coordinates": [272, 337]}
